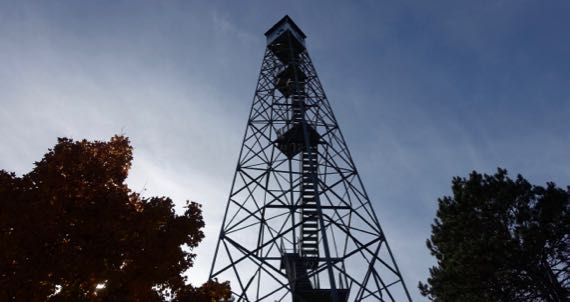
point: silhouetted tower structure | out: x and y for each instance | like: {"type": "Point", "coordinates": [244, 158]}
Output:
{"type": "Point", "coordinates": [299, 225]}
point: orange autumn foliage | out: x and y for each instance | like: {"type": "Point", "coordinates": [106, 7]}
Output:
{"type": "Point", "coordinates": [72, 230]}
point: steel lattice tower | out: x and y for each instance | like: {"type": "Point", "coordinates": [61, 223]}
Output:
{"type": "Point", "coordinates": [298, 224]}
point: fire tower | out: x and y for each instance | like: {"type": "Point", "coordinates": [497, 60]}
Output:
{"type": "Point", "coordinates": [299, 225]}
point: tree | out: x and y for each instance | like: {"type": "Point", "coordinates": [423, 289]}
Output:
{"type": "Point", "coordinates": [499, 239]}
{"type": "Point", "coordinates": [71, 230]}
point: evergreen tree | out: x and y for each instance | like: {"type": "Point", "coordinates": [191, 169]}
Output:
{"type": "Point", "coordinates": [499, 239]}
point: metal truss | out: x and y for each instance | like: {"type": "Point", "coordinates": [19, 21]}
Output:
{"type": "Point", "coordinates": [263, 220]}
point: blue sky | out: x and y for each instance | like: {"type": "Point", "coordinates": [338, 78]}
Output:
{"type": "Point", "coordinates": [422, 90]}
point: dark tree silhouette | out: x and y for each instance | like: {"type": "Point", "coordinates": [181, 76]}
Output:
{"type": "Point", "coordinates": [499, 239]}
{"type": "Point", "coordinates": [71, 230]}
